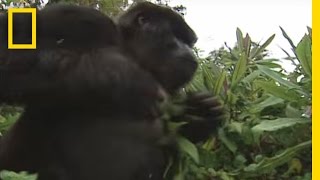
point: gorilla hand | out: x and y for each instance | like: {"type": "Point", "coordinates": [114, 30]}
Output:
{"type": "Point", "coordinates": [203, 114]}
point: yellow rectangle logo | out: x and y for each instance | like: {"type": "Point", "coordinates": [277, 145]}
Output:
{"type": "Point", "coordinates": [33, 12]}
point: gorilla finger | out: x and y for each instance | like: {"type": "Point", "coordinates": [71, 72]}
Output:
{"type": "Point", "coordinates": [211, 102]}
{"type": "Point", "coordinates": [216, 114]}
{"type": "Point", "coordinates": [204, 111]}
{"type": "Point", "coordinates": [216, 118]}
{"type": "Point", "coordinates": [194, 118]}
{"type": "Point", "coordinates": [204, 102]}
{"type": "Point", "coordinates": [199, 95]}
{"type": "Point", "coordinates": [217, 109]}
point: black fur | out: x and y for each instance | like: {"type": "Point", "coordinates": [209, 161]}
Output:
{"type": "Point", "coordinates": [91, 92]}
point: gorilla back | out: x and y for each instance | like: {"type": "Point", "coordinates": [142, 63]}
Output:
{"type": "Point", "coordinates": [59, 28]}
{"type": "Point", "coordinates": [66, 26]}
{"type": "Point", "coordinates": [91, 110]}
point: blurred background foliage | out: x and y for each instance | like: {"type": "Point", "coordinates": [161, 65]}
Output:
{"type": "Point", "coordinates": [267, 131]}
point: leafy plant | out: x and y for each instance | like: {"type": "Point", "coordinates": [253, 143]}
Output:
{"type": "Point", "coordinates": [267, 134]}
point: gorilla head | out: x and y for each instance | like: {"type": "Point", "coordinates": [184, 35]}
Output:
{"type": "Point", "coordinates": [160, 41]}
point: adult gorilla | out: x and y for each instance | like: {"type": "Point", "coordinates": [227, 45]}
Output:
{"type": "Point", "coordinates": [91, 105]}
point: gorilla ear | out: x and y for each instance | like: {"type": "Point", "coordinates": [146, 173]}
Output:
{"type": "Point", "coordinates": [142, 19]}
{"type": "Point", "coordinates": [137, 12]}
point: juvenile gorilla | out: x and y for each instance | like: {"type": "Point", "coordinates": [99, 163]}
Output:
{"type": "Point", "coordinates": [91, 103]}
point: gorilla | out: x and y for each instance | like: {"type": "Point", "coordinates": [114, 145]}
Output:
{"type": "Point", "coordinates": [92, 89]}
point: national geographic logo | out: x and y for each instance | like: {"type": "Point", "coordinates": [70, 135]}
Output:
{"type": "Point", "coordinates": [11, 44]}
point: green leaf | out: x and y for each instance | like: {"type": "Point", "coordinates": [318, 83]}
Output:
{"type": "Point", "coordinates": [266, 60]}
{"type": "Point", "coordinates": [272, 74]}
{"type": "Point", "coordinates": [263, 46]}
{"type": "Point", "coordinates": [292, 112]}
{"type": "Point", "coordinates": [219, 83]}
{"type": "Point", "coordinates": [240, 39]}
{"type": "Point", "coordinates": [267, 102]}
{"type": "Point", "coordinates": [236, 127]}
{"type": "Point", "coordinates": [304, 55]}
{"type": "Point", "coordinates": [251, 77]}
{"type": "Point", "coordinates": [278, 91]}
{"type": "Point", "coordinates": [231, 98]}
{"type": "Point", "coordinates": [280, 123]}
{"type": "Point", "coordinates": [309, 31]}
{"type": "Point", "coordinates": [247, 44]}
{"type": "Point", "coordinates": [226, 141]}
{"type": "Point", "coordinates": [285, 35]}
{"type": "Point", "coordinates": [179, 175]}
{"type": "Point", "coordinates": [208, 77]}
{"type": "Point", "coordinates": [215, 69]}
{"type": "Point", "coordinates": [271, 63]}
{"type": "Point", "coordinates": [189, 148]}
{"type": "Point", "coordinates": [9, 121]}
{"type": "Point", "coordinates": [239, 71]}
{"type": "Point", "coordinates": [269, 164]}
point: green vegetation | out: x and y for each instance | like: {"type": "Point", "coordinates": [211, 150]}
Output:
{"type": "Point", "coordinates": [267, 134]}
